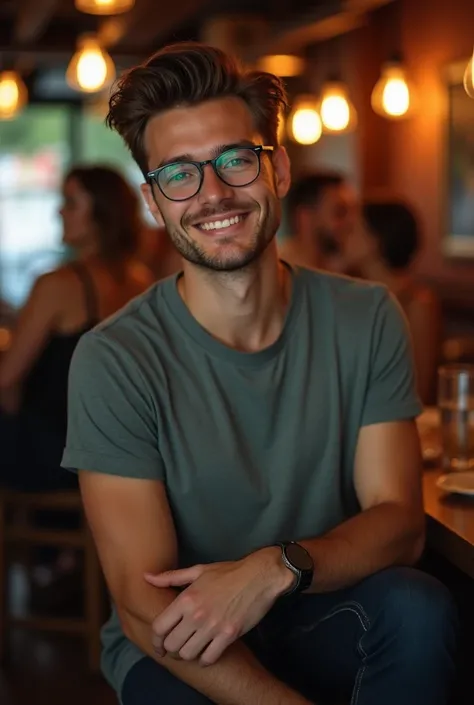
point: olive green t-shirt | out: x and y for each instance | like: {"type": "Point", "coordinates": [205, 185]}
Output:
{"type": "Point", "coordinates": [253, 448]}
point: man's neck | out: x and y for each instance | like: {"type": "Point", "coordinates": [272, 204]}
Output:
{"type": "Point", "coordinates": [245, 309]}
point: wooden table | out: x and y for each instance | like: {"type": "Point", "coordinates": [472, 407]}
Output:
{"type": "Point", "coordinates": [450, 523]}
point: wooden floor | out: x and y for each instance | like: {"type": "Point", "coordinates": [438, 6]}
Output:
{"type": "Point", "coordinates": [46, 669]}
{"type": "Point", "coordinates": [51, 670]}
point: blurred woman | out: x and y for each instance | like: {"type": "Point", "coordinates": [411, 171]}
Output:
{"type": "Point", "coordinates": [382, 249]}
{"type": "Point", "coordinates": [101, 225]}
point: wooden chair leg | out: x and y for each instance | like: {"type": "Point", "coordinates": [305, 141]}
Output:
{"type": "Point", "coordinates": [93, 604]}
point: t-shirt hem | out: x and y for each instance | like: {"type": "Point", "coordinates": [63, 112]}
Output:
{"type": "Point", "coordinates": [75, 460]}
{"type": "Point", "coordinates": [392, 413]}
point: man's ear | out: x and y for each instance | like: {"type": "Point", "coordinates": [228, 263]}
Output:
{"type": "Point", "coordinates": [282, 169]}
{"type": "Point", "coordinates": [147, 192]}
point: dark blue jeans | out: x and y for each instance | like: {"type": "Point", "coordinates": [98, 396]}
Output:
{"type": "Point", "coordinates": [390, 640]}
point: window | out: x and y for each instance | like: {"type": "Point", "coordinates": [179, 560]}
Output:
{"type": "Point", "coordinates": [34, 151]}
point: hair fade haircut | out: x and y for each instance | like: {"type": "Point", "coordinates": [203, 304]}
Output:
{"type": "Point", "coordinates": [187, 74]}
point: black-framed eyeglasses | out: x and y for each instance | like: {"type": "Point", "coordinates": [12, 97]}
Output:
{"type": "Point", "coordinates": [179, 181]}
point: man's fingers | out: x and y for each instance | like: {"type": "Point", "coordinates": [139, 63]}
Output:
{"type": "Point", "coordinates": [215, 649]}
{"type": "Point", "coordinates": [178, 637]}
{"type": "Point", "coordinates": [193, 648]}
{"type": "Point", "coordinates": [163, 625]}
{"type": "Point", "coordinates": [175, 578]}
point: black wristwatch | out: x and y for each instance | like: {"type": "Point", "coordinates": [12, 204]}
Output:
{"type": "Point", "coordinates": [297, 559]}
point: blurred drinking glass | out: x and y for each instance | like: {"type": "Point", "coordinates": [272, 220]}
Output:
{"type": "Point", "coordinates": [456, 406]}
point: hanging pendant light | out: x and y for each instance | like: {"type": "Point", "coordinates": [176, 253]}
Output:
{"type": "Point", "coordinates": [469, 78]}
{"type": "Point", "coordinates": [338, 115]}
{"type": "Point", "coordinates": [304, 123]}
{"type": "Point", "coordinates": [91, 68]}
{"type": "Point", "coordinates": [283, 65]}
{"type": "Point", "coordinates": [104, 7]}
{"type": "Point", "coordinates": [394, 95]}
{"type": "Point", "coordinates": [13, 95]}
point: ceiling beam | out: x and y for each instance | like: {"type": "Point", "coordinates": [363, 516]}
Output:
{"type": "Point", "coordinates": [295, 38]}
{"type": "Point", "coordinates": [364, 5]}
{"type": "Point", "coordinates": [32, 19]}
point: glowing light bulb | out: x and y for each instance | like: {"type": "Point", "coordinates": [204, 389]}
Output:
{"type": "Point", "coordinates": [104, 7]}
{"type": "Point", "coordinates": [337, 112]}
{"type": "Point", "coordinates": [469, 78]}
{"type": "Point", "coordinates": [393, 94]}
{"type": "Point", "coordinates": [284, 65]}
{"type": "Point", "coordinates": [13, 95]}
{"type": "Point", "coordinates": [304, 121]}
{"type": "Point", "coordinates": [91, 68]}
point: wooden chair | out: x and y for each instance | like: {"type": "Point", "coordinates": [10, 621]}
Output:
{"type": "Point", "coordinates": [17, 529]}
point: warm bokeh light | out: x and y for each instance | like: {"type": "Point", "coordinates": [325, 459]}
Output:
{"type": "Point", "coordinates": [104, 7]}
{"type": "Point", "coordinates": [337, 112]}
{"type": "Point", "coordinates": [91, 68]}
{"type": "Point", "coordinates": [469, 78]}
{"type": "Point", "coordinates": [5, 339]}
{"type": "Point", "coordinates": [304, 121]}
{"type": "Point", "coordinates": [281, 128]}
{"type": "Point", "coordinates": [283, 65]}
{"type": "Point", "coordinates": [393, 94]}
{"type": "Point", "coordinates": [13, 95]}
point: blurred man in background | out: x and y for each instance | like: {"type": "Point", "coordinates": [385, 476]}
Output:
{"type": "Point", "coordinates": [323, 209]}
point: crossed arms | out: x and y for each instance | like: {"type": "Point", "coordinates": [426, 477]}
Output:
{"type": "Point", "coordinates": [134, 533]}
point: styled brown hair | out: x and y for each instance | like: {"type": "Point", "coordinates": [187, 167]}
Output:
{"type": "Point", "coordinates": [115, 209]}
{"type": "Point", "coordinates": [189, 73]}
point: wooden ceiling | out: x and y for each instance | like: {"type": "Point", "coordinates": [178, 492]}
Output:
{"type": "Point", "coordinates": [45, 29]}
{"type": "Point", "coordinates": [38, 36]}
{"type": "Point", "coordinates": [50, 28]}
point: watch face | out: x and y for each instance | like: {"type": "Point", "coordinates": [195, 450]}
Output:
{"type": "Point", "coordinates": [299, 557]}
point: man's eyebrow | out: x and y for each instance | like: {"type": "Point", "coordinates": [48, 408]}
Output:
{"type": "Point", "coordinates": [216, 151]}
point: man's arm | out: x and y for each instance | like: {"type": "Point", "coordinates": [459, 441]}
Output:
{"type": "Point", "coordinates": [390, 529]}
{"type": "Point", "coordinates": [133, 529]}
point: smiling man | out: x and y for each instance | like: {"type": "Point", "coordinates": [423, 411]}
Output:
{"type": "Point", "coordinates": [244, 435]}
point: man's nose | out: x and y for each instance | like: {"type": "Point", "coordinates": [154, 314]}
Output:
{"type": "Point", "coordinates": [213, 189]}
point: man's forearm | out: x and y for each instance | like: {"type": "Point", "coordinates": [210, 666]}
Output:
{"type": "Point", "coordinates": [236, 679]}
{"type": "Point", "coordinates": [375, 539]}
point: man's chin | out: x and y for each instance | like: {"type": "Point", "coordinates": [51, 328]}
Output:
{"type": "Point", "coordinates": [224, 259]}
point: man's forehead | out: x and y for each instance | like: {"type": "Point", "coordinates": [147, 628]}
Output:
{"type": "Point", "coordinates": [197, 130]}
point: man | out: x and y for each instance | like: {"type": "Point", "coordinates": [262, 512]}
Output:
{"type": "Point", "coordinates": [323, 210]}
{"type": "Point", "coordinates": [236, 408]}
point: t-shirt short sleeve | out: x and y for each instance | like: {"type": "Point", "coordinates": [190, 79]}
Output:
{"type": "Point", "coordinates": [391, 389]}
{"type": "Point", "coordinates": [111, 419]}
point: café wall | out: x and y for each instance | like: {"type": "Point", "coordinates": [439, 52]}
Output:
{"type": "Point", "coordinates": [406, 157]}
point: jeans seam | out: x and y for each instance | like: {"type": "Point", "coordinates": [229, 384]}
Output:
{"type": "Point", "coordinates": [357, 609]}
{"type": "Point", "coordinates": [352, 606]}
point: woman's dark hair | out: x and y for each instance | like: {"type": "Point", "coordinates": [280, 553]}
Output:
{"type": "Point", "coordinates": [190, 73]}
{"type": "Point", "coordinates": [395, 227]}
{"type": "Point", "coordinates": [115, 209]}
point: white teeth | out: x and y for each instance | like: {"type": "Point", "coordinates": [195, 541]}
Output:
{"type": "Point", "coordinates": [219, 224]}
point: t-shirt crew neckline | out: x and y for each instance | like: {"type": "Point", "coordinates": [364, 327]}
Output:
{"type": "Point", "coordinates": [217, 349]}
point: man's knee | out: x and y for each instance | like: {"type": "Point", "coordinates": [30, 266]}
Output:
{"type": "Point", "coordinates": [419, 609]}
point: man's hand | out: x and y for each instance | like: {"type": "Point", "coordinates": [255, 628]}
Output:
{"type": "Point", "coordinates": [223, 602]}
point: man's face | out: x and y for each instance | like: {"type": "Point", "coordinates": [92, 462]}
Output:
{"type": "Point", "coordinates": [335, 217]}
{"type": "Point", "coordinates": [249, 216]}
